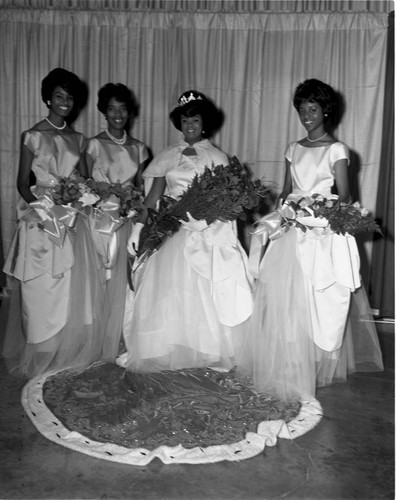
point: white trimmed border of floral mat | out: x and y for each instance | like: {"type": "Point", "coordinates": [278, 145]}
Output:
{"type": "Point", "coordinates": [254, 443]}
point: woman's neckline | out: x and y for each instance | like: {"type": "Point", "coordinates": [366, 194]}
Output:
{"type": "Point", "coordinates": [307, 146]}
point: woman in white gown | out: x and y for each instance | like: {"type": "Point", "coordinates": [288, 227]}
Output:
{"type": "Point", "coordinates": [113, 156]}
{"type": "Point", "coordinates": [299, 335]}
{"type": "Point", "coordinates": [51, 319]}
{"type": "Point", "coordinates": [194, 297]}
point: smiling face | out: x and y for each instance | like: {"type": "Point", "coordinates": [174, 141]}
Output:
{"type": "Point", "coordinates": [61, 103]}
{"type": "Point", "coordinates": [312, 118]}
{"type": "Point", "coordinates": [117, 116]}
{"type": "Point", "coordinates": [191, 127]}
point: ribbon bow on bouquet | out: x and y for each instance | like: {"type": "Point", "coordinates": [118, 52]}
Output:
{"type": "Point", "coordinates": [51, 218]}
{"type": "Point", "coordinates": [106, 216]}
{"type": "Point", "coordinates": [275, 224]}
{"type": "Point", "coordinates": [105, 221]}
{"type": "Point", "coordinates": [308, 220]}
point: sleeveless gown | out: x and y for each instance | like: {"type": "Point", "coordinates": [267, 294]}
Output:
{"type": "Point", "coordinates": [114, 163]}
{"type": "Point", "coordinates": [304, 332]}
{"type": "Point", "coordinates": [52, 316]}
{"type": "Point", "coordinates": [195, 295]}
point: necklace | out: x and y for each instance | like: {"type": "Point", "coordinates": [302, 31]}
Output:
{"type": "Point", "coordinates": [316, 140]}
{"type": "Point", "coordinates": [57, 128]}
{"type": "Point", "coordinates": [121, 141]}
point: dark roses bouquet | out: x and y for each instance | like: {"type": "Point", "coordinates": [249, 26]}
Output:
{"type": "Point", "coordinates": [223, 192]}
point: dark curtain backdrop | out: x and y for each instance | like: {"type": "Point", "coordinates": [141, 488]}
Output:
{"type": "Point", "coordinates": [382, 282]}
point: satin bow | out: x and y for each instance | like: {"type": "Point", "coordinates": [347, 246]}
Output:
{"type": "Point", "coordinates": [51, 218]}
{"type": "Point", "coordinates": [106, 221]}
{"type": "Point", "coordinates": [106, 218]}
{"type": "Point", "coordinates": [268, 228]}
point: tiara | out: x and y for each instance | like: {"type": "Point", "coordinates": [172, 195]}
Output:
{"type": "Point", "coordinates": [184, 100]}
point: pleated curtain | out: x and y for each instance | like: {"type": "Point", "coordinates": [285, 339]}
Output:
{"type": "Point", "coordinates": [248, 62]}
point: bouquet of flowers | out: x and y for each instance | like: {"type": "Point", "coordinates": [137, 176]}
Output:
{"type": "Point", "coordinates": [80, 192]}
{"type": "Point", "coordinates": [318, 211]}
{"type": "Point", "coordinates": [68, 190]}
{"type": "Point", "coordinates": [130, 198]}
{"type": "Point", "coordinates": [224, 192]}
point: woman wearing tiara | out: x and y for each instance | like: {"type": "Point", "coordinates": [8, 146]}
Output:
{"type": "Point", "coordinates": [113, 156]}
{"type": "Point", "coordinates": [194, 296]}
{"type": "Point", "coordinates": [52, 316]}
{"type": "Point", "coordinates": [299, 335]}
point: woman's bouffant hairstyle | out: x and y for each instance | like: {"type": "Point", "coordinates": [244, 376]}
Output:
{"type": "Point", "coordinates": [313, 90]}
{"type": "Point", "coordinates": [68, 81]}
{"type": "Point", "coordinates": [120, 92]}
{"type": "Point", "coordinates": [192, 103]}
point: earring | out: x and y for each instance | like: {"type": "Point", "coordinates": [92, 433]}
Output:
{"type": "Point", "coordinates": [48, 103]}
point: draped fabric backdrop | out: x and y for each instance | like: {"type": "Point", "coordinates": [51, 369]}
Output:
{"type": "Point", "coordinates": [382, 278]}
{"type": "Point", "coordinates": [247, 56]}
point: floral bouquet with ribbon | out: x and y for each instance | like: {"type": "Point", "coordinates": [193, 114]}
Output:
{"type": "Point", "coordinates": [130, 198]}
{"type": "Point", "coordinates": [51, 218]}
{"type": "Point", "coordinates": [81, 192]}
{"type": "Point", "coordinates": [55, 211]}
{"type": "Point", "coordinates": [318, 211]}
{"type": "Point", "coordinates": [116, 204]}
{"type": "Point", "coordinates": [109, 205]}
{"type": "Point", "coordinates": [223, 192]}
{"type": "Point", "coordinates": [309, 213]}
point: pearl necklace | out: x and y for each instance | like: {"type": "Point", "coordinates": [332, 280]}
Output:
{"type": "Point", "coordinates": [316, 140]}
{"type": "Point", "coordinates": [57, 128]}
{"type": "Point", "coordinates": [121, 141]}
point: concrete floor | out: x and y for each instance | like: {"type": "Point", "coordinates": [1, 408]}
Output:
{"type": "Point", "coordinates": [349, 455]}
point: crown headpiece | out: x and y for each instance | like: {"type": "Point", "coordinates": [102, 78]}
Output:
{"type": "Point", "coordinates": [185, 99]}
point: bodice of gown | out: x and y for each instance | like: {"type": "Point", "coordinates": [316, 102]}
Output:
{"type": "Point", "coordinates": [312, 169]}
{"type": "Point", "coordinates": [179, 178]}
{"type": "Point", "coordinates": [115, 163]}
{"type": "Point", "coordinates": [55, 155]}
{"type": "Point", "coordinates": [325, 257]}
{"type": "Point", "coordinates": [35, 252]}
{"type": "Point", "coordinates": [179, 169]}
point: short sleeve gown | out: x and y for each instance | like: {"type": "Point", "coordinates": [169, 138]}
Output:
{"type": "Point", "coordinates": [195, 294]}
{"type": "Point", "coordinates": [52, 317]}
{"type": "Point", "coordinates": [300, 332]}
{"type": "Point", "coordinates": [113, 163]}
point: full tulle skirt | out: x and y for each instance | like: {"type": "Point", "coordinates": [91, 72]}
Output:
{"type": "Point", "coordinates": [301, 336]}
{"type": "Point", "coordinates": [278, 352]}
{"type": "Point", "coordinates": [179, 319]}
{"type": "Point", "coordinates": [113, 258]}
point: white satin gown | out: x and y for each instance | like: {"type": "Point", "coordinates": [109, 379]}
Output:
{"type": "Point", "coordinates": [195, 294]}
{"type": "Point", "coordinates": [300, 334]}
